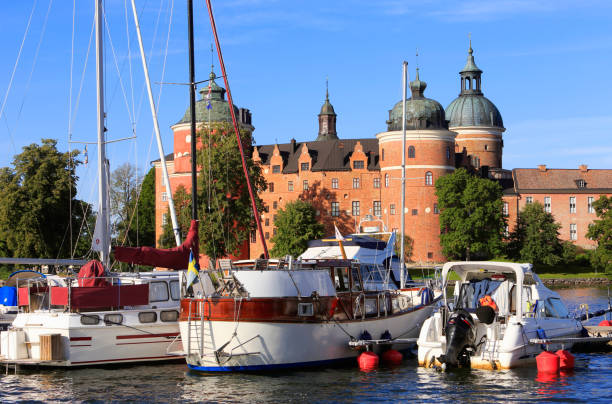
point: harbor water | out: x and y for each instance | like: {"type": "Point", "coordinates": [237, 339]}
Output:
{"type": "Point", "coordinates": [591, 381]}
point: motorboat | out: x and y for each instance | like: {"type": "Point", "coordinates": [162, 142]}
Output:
{"type": "Point", "coordinates": [94, 320]}
{"type": "Point", "coordinates": [495, 310]}
{"type": "Point", "coordinates": [271, 314]}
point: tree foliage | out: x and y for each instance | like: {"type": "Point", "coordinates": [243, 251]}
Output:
{"type": "Point", "coordinates": [471, 220]}
{"type": "Point", "coordinates": [226, 216]}
{"type": "Point", "coordinates": [536, 237]}
{"type": "Point", "coordinates": [36, 203]}
{"type": "Point", "coordinates": [296, 224]}
{"type": "Point", "coordinates": [182, 205]}
{"type": "Point", "coordinates": [133, 206]}
{"type": "Point", "coordinates": [601, 231]}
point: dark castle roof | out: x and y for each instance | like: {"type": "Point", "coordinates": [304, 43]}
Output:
{"type": "Point", "coordinates": [327, 155]}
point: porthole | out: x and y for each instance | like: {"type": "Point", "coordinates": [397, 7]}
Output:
{"type": "Point", "coordinates": [147, 317]}
{"type": "Point", "coordinates": [90, 319]}
{"type": "Point", "coordinates": [110, 319]}
{"type": "Point", "coordinates": [169, 316]}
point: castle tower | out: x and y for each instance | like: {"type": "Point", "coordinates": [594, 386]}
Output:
{"type": "Point", "coordinates": [327, 120]}
{"type": "Point", "coordinates": [430, 154]}
{"type": "Point", "coordinates": [476, 120]}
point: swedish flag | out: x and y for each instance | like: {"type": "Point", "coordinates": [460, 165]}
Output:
{"type": "Point", "coordinates": [192, 270]}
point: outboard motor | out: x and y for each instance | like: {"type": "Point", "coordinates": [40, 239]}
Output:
{"type": "Point", "coordinates": [460, 335]}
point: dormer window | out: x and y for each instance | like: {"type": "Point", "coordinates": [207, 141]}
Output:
{"type": "Point", "coordinates": [581, 183]}
{"type": "Point", "coordinates": [358, 164]}
{"type": "Point", "coordinates": [304, 166]}
{"type": "Point", "coordinates": [276, 169]}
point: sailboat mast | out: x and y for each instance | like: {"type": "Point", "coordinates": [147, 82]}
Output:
{"type": "Point", "coordinates": [102, 171]}
{"type": "Point", "coordinates": [403, 217]}
{"type": "Point", "coordinates": [192, 109]}
{"type": "Point", "coordinates": [160, 147]}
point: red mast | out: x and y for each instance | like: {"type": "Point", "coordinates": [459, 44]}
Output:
{"type": "Point", "coordinates": [236, 129]}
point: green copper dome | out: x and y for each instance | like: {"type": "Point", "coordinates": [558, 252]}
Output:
{"type": "Point", "coordinates": [219, 107]}
{"type": "Point", "coordinates": [472, 108]}
{"type": "Point", "coordinates": [421, 112]}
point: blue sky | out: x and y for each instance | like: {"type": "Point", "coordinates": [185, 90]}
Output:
{"type": "Point", "coordinates": [546, 66]}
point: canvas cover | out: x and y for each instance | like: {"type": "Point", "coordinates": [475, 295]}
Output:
{"type": "Point", "coordinates": [91, 274]}
{"type": "Point", "coordinates": [172, 258]}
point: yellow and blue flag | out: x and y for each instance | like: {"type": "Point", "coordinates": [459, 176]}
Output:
{"type": "Point", "coordinates": [192, 270]}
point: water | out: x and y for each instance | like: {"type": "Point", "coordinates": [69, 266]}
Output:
{"type": "Point", "coordinates": [591, 381]}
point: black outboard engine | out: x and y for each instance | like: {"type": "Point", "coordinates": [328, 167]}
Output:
{"type": "Point", "coordinates": [460, 335]}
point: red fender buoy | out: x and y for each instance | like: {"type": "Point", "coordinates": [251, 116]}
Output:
{"type": "Point", "coordinates": [605, 323]}
{"type": "Point", "coordinates": [367, 361]}
{"type": "Point", "coordinates": [392, 357]}
{"type": "Point", "coordinates": [566, 359]}
{"type": "Point", "coordinates": [547, 362]}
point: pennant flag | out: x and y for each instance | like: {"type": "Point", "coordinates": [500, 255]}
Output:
{"type": "Point", "coordinates": [208, 96]}
{"type": "Point", "coordinates": [390, 244]}
{"type": "Point", "coordinates": [339, 236]}
{"type": "Point", "coordinates": [192, 270]}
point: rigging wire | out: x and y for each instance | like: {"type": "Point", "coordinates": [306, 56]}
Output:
{"type": "Point", "coordinates": [70, 119]}
{"type": "Point", "coordinates": [8, 89]}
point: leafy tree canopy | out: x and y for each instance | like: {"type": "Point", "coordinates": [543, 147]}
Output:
{"type": "Point", "coordinates": [37, 201]}
{"type": "Point", "coordinates": [471, 220]}
{"type": "Point", "coordinates": [601, 231]}
{"type": "Point", "coordinates": [536, 237]}
{"type": "Point", "coordinates": [296, 224]}
{"type": "Point", "coordinates": [182, 205]}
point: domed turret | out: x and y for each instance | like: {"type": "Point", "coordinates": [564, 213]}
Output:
{"type": "Point", "coordinates": [421, 112]}
{"type": "Point", "coordinates": [476, 119]}
{"type": "Point", "coordinates": [327, 120]}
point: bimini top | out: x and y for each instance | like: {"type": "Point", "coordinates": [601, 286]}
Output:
{"type": "Point", "coordinates": [366, 249]}
{"type": "Point", "coordinates": [467, 270]}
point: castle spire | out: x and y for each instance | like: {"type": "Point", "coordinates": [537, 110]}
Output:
{"type": "Point", "coordinates": [470, 74]}
{"type": "Point", "coordinates": [327, 118]}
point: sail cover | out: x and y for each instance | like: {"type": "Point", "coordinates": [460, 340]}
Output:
{"type": "Point", "coordinates": [172, 258]}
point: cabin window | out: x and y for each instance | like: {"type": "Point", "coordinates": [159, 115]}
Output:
{"type": "Point", "coordinates": [305, 310]}
{"type": "Point", "coordinates": [356, 286]}
{"type": "Point", "coordinates": [168, 316]}
{"type": "Point", "coordinates": [90, 319]}
{"type": "Point", "coordinates": [341, 279]}
{"type": "Point", "coordinates": [158, 292]}
{"type": "Point", "coordinates": [555, 308]}
{"type": "Point", "coordinates": [175, 291]}
{"type": "Point", "coordinates": [147, 317]}
{"type": "Point", "coordinates": [113, 319]}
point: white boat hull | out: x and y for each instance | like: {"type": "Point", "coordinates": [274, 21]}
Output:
{"type": "Point", "coordinates": [272, 345]}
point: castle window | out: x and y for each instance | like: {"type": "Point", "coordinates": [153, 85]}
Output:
{"type": "Point", "coordinates": [164, 196]}
{"type": "Point", "coordinates": [274, 205]}
{"type": "Point", "coordinates": [274, 231]}
{"type": "Point", "coordinates": [507, 231]}
{"type": "Point", "coordinates": [573, 232]}
{"type": "Point", "coordinates": [274, 218]}
{"type": "Point", "coordinates": [447, 153]}
{"type": "Point", "coordinates": [476, 161]}
{"type": "Point", "coordinates": [334, 183]}
{"type": "Point", "coordinates": [529, 200]}
{"type": "Point", "coordinates": [392, 209]}
{"type": "Point", "coordinates": [486, 147]}
{"type": "Point", "coordinates": [411, 152]}
{"type": "Point", "coordinates": [356, 183]}
{"type": "Point", "coordinates": [358, 164]}
{"type": "Point", "coordinates": [572, 204]}
{"type": "Point", "coordinates": [376, 182]}
{"type": "Point", "coordinates": [436, 209]}
{"type": "Point", "coordinates": [590, 200]}
{"type": "Point", "coordinates": [305, 185]}
{"type": "Point", "coordinates": [581, 183]}
{"type": "Point", "coordinates": [386, 180]}
{"type": "Point", "coordinates": [290, 186]}
{"type": "Point", "coordinates": [383, 155]}
{"type": "Point", "coordinates": [164, 219]}
{"type": "Point", "coordinates": [267, 235]}
{"type": "Point", "coordinates": [271, 187]}
{"type": "Point", "coordinates": [377, 209]}
{"type": "Point", "coordinates": [267, 222]}
{"type": "Point", "coordinates": [428, 178]}
{"type": "Point", "coordinates": [304, 166]}
{"type": "Point", "coordinates": [505, 209]}
{"type": "Point", "coordinates": [253, 236]}
{"type": "Point", "coordinates": [355, 208]}
{"type": "Point", "coordinates": [415, 212]}
{"type": "Point", "coordinates": [335, 208]}
{"type": "Point", "coordinates": [276, 169]}
{"type": "Point", "coordinates": [429, 255]}
{"type": "Point", "coordinates": [547, 207]}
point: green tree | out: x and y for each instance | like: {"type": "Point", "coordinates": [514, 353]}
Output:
{"type": "Point", "coordinates": [182, 205]}
{"type": "Point", "coordinates": [143, 226]}
{"type": "Point", "coordinates": [124, 187]}
{"type": "Point", "coordinates": [536, 237]}
{"type": "Point", "coordinates": [296, 224]}
{"type": "Point", "coordinates": [471, 220]}
{"type": "Point", "coordinates": [226, 216]}
{"type": "Point", "coordinates": [36, 202]}
{"type": "Point", "coordinates": [601, 231]}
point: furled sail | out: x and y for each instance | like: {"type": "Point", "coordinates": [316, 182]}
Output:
{"type": "Point", "coordinates": [172, 258]}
